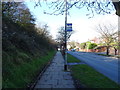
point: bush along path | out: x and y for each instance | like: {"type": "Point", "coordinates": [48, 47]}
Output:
{"type": "Point", "coordinates": [55, 76]}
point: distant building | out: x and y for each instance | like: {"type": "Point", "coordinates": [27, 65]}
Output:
{"type": "Point", "coordinates": [96, 40]}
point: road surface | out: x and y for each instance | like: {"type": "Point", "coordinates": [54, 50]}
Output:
{"type": "Point", "coordinates": [108, 66]}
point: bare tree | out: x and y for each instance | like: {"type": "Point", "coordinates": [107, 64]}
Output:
{"type": "Point", "coordinates": [93, 6]}
{"type": "Point", "coordinates": [108, 34]}
{"type": "Point", "coordinates": [61, 37]}
{"type": "Point", "coordinates": [61, 34]}
{"type": "Point", "coordinates": [116, 43]}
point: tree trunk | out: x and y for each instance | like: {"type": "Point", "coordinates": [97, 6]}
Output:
{"type": "Point", "coordinates": [107, 52]}
{"type": "Point", "coordinates": [115, 51]}
{"type": "Point", "coordinates": [117, 6]}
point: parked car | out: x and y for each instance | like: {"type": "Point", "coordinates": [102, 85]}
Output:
{"type": "Point", "coordinates": [73, 50]}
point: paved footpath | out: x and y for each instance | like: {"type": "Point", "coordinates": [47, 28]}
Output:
{"type": "Point", "coordinates": [55, 76]}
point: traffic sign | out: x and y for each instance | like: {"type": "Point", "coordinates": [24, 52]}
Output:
{"type": "Point", "coordinates": [69, 26]}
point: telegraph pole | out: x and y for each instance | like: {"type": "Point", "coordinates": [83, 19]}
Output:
{"type": "Point", "coordinates": [65, 46]}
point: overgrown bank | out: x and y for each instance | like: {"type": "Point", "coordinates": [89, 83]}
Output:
{"type": "Point", "coordinates": [19, 76]}
{"type": "Point", "coordinates": [26, 49]}
{"type": "Point", "coordinates": [22, 59]}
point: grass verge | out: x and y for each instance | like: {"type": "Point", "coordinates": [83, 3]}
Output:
{"type": "Point", "coordinates": [71, 59]}
{"type": "Point", "coordinates": [20, 76]}
{"type": "Point", "coordinates": [90, 78]}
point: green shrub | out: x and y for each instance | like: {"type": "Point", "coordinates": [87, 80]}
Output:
{"type": "Point", "coordinates": [92, 45]}
{"type": "Point", "coordinates": [83, 45]}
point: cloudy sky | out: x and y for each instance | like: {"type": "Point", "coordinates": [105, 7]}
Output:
{"type": "Point", "coordinates": [84, 28]}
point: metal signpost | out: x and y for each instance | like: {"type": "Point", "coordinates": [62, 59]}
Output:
{"type": "Point", "coordinates": [68, 27]}
{"type": "Point", "coordinates": [65, 46]}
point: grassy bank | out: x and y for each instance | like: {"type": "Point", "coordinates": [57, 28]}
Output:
{"type": "Point", "coordinates": [19, 76]}
{"type": "Point", "coordinates": [90, 78]}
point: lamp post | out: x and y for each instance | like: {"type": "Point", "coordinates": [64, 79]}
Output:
{"type": "Point", "coordinates": [65, 46]}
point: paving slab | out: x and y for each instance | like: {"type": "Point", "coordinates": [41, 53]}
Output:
{"type": "Point", "coordinates": [55, 76]}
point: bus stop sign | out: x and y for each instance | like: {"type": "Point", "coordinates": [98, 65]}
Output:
{"type": "Point", "coordinates": [69, 26]}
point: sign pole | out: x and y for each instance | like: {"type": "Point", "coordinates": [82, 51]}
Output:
{"type": "Point", "coordinates": [65, 47]}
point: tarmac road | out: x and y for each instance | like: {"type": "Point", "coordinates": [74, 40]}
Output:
{"type": "Point", "coordinates": [108, 66]}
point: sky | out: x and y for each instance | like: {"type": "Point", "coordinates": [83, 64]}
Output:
{"type": "Point", "coordinates": [83, 27]}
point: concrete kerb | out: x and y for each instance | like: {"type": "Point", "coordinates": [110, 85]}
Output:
{"type": "Point", "coordinates": [32, 85]}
